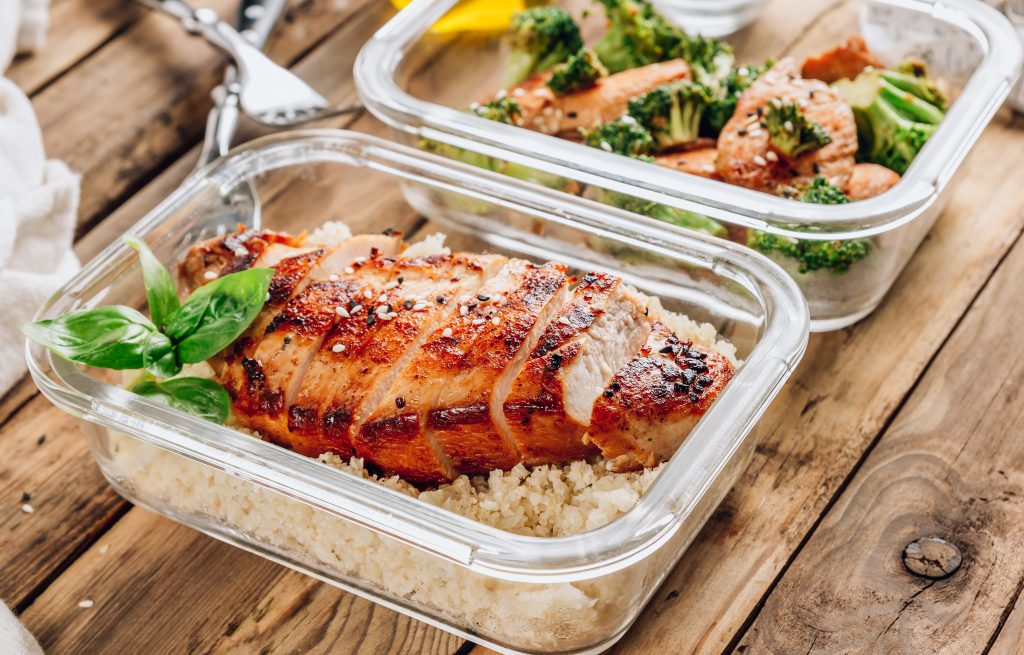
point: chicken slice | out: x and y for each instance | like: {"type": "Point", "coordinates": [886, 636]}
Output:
{"type": "Point", "coordinates": [549, 406]}
{"type": "Point", "coordinates": [367, 349]}
{"type": "Point", "coordinates": [697, 161]}
{"type": "Point", "coordinates": [505, 320]}
{"type": "Point", "coordinates": [394, 435]}
{"type": "Point", "coordinates": [845, 60]}
{"type": "Point", "coordinates": [654, 401]}
{"type": "Point", "coordinates": [745, 155]}
{"type": "Point", "coordinates": [545, 112]}
{"type": "Point", "coordinates": [209, 259]}
{"type": "Point", "coordinates": [869, 180]}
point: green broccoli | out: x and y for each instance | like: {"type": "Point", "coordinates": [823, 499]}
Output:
{"type": "Point", "coordinates": [791, 132]}
{"type": "Point", "coordinates": [822, 192]}
{"type": "Point", "coordinates": [580, 71]}
{"type": "Point", "coordinates": [542, 37]}
{"type": "Point", "coordinates": [671, 215]}
{"type": "Point", "coordinates": [912, 76]}
{"type": "Point", "coordinates": [639, 35]}
{"type": "Point", "coordinates": [623, 136]}
{"type": "Point", "coordinates": [893, 123]}
{"type": "Point", "coordinates": [723, 106]}
{"type": "Point", "coordinates": [833, 255]}
{"type": "Point", "coordinates": [672, 112]}
{"type": "Point", "coordinates": [503, 110]}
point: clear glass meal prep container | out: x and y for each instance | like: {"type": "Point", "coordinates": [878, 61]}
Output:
{"type": "Point", "coordinates": [966, 43]}
{"type": "Point", "coordinates": [574, 594]}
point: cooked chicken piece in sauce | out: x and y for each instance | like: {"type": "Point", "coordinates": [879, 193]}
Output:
{"type": "Point", "coordinates": [869, 180]}
{"type": "Point", "coordinates": [745, 154]}
{"type": "Point", "coordinates": [435, 365]}
{"type": "Point", "coordinates": [846, 60]}
{"type": "Point", "coordinates": [545, 112]}
{"type": "Point", "coordinates": [696, 161]}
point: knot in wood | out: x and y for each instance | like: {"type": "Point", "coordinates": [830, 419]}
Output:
{"type": "Point", "coordinates": [932, 557]}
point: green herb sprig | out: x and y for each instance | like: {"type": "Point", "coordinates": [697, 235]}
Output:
{"type": "Point", "coordinates": [121, 338]}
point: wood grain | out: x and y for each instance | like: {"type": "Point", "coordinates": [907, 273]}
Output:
{"type": "Point", "coordinates": [948, 467]}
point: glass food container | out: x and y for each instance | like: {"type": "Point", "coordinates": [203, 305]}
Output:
{"type": "Point", "coordinates": [967, 44]}
{"type": "Point", "coordinates": [514, 593]}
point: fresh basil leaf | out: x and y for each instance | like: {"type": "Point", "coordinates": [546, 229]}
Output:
{"type": "Point", "coordinates": [197, 396]}
{"type": "Point", "coordinates": [217, 313]}
{"type": "Point", "coordinates": [158, 356]}
{"type": "Point", "coordinates": [160, 290]}
{"type": "Point", "coordinates": [107, 337]}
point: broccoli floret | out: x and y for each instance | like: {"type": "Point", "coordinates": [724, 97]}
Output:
{"type": "Point", "coordinates": [581, 71]}
{"type": "Point", "coordinates": [893, 124]}
{"type": "Point", "coordinates": [822, 192]}
{"type": "Point", "coordinates": [639, 35]}
{"type": "Point", "coordinates": [723, 106]}
{"type": "Point", "coordinates": [791, 132]}
{"type": "Point", "coordinates": [836, 256]}
{"type": "Point", "coordinates": [672, 112]}
{"type": "Point", "coordinates": [458, 154]}
{"type": "Point", "coordinates": [912, 76]}
{"type": "Point", "coordinates": [503, 110]}
{"type": "Point", "coordinates": [623, 136]}
{"type": "Point", "coordinates": [670, 215]}
{"type": "Point", "coordinates": [542, 37]}
{"type": "Point", "coordinates": [710, 60]}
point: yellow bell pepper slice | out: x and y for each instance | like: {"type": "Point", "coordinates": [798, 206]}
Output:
{"type": "Point", "coordinates": [474, 15]}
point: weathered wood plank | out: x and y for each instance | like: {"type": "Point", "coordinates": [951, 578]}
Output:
{"type": "Point", "coordinates": [77, 29]}
{"type": "Point", "coordinates": [1010, 640]}
{"type": "Point", "coordinates": [148, 92]}
{"type": "Point", "coordinates": [948, 467]}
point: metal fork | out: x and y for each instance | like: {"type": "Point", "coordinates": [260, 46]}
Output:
{"type": "Point", "coordinates": [255, 20]}
{"type": "Point", "coordinates": [267, 92]}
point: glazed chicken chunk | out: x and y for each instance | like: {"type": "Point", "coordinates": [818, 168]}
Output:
{"type": "Point", "coordinates": [437, 364]}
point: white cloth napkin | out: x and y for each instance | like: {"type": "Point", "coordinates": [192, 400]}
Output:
{"type": "Point", "coordinates": [14, 638]}
{"type": "Point", "coordinates": [38, 198]}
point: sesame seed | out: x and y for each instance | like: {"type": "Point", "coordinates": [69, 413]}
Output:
{"type": "Point", "coordinates": [498, 299]}
{"type": "Point", "coordinates": [349, 270]}
{"type": "Point", "coordinates": [355, 308]}
{"type": "Point", "coordinates": [500, 94]}
{"type": "Point", "coordinates": [85, 604]}
{"type": "Point", "coordinates": [771, 156]}
{"type": "Point", "coordinates": [210, 275]}
{"type": "Point", "coordinates": [447, 332]}
{"type": "Point", "coordinates": [788, 126]}
{"type": "Point", "coordinates": [607, 147]}
{"type": "Point", "coordinates": [478, 321]}
{"type": "Point", "coordinates": [755, 132]}
{"type": "Point", "coordinates": [753, 126]}
{"type": "Point", "coordinates": [104, 549]}
{"type": "Point", "coordinates": [342, 312]}
{"type": "Point", "coordinates": [495, 320]}
{"type": "Point", "coordinates": [420, 306]}
{"type": "Point", "coordinates": [563, 320]}
{"type": "Point", "coordinates": [759, 160]}
{"type": "Point", "coordinates": [463, 310]}
{"type": "Point", "coordinates": [381, 309]}
{"type": "Point", "coordinates": [389, 285]}
{"type": "Point", "coordinates": [333, 277]}
{"type": "Point", "coordinates": [368, 294]}
{"type": "Point", "coordinates": [266, 298]}
{"type": "Point", "coordinates": [359, 260]}
{"type": "Point", "coordinates": [382, 297]}
{"type": "Point", "coordinates": [518, 92]}
{"type": "Point", "coordinates": [338, 347]}
{"type": "Point", "coordinates": [483, 298]}
{"type": "Point", "coordinates": [627, 120]}
{"type": "Point", "coordinates": [28, 509]}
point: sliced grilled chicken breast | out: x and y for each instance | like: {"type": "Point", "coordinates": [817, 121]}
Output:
{"type": "Point", "coordinates": [745, 154]}
{"type": "Point", "coordinates": [655, 399]}
{"type": "Point", "coordinates": [548, 408]}
{"type": "Point", "coordinates": [509, 314]}
{"type": "Point", "coordinates": [434, 365]}
{"type": "Point", "coordinates": [371, 343]}
{"type": "Point", "coordinates": [545, 112]}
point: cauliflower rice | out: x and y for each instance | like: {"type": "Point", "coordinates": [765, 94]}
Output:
{"type": "Point", "coordinates": [545, 501]}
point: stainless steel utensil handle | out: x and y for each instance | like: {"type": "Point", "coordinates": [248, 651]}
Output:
{"type": "Point", "coordinates": [205, 22]}
{"type": "Point", "coordinates": [255, 20]}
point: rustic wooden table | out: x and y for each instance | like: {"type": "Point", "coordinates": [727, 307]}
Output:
{"type": "Point", "coordinates": [904, 426]}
